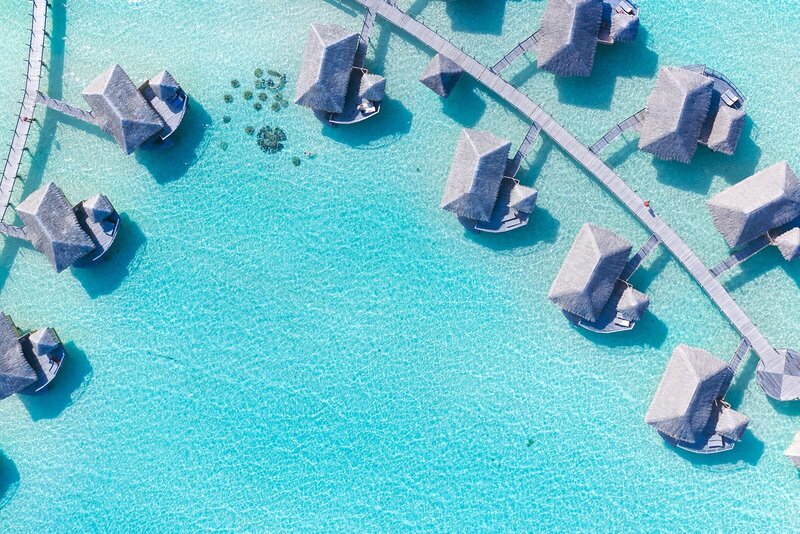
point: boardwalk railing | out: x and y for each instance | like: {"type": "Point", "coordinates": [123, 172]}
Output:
{"type": "Point", "coordinates": [594, 165]}
{"type": "Point", "coordinates": [634, 122]}
{"type": "Point", "coordinates": [531, 43]}
{"type": "Point", "coordinates": [738, 356]}
{"type": "Point", "coordinates": [33, 78]}
{"type": "Point", "coordinates": [636, 261]}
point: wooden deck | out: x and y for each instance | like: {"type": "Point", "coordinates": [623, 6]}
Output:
{"type": "Point", "coordinates": [33, 78]}
{"type": "Point", "coordinates": [634, 122]}
{"type": "Point", "coordinates": [66, 109]}
{"type": "Point", "coordinates": [636, 261]}
{"type": "Point", "coordinates": [738, 356]}
{"type": "Point", "coordinates": [602, 172]}
{"type": "Point", "coordinates": [531, 43]}
{"type": "Point", "coordinates": [514, 163]}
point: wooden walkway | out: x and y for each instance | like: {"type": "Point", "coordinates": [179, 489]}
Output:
{"type": "Point", "coordinates": [363, 43]}
{"type": "Point", "coordinates": [738, 356]}
{"type": "Point", "coordinates": [755, 246]}
{"type": "Point", "coordinates": [66, 109]}
{"type": "Point", "coordinates": [33, 77]}
{"type": "Point", "coordinates": [634, 122]}
{"type": "Point", "coordinates": [531, 43]}
{"type": "Point", "coordinates": [514, 164]}
{"type": "Point", "coordinates": [594, 165]}
{"type": "Point", "coordinates": [636, 261]}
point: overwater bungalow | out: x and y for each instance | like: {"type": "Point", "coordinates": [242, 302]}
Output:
{"type": "Point", "coordinates": [28, 362]}
{"type": "Point", "coordinates": [689, 410]}
{"type": "Point", "coordinates": [69, 236]}
{"type": "Point", "coordinates": [589, 288]}
{"type": "Point", "coordinates": [690, 106]}
{"type": "Point", "coordinates": [793, 451]}
{"type": "Point", "coordinates": [483, 199]}
{"type": "Point", "coordinates": [763, 202]}
{"type": "Point", "coordinates": [441, 75]}
{"type": "Point", "coordinates": [331, 84]}
{"type": "Point", "coordinates": [571, 29]}
{"type": "Point", "coordinates": [143, 117]}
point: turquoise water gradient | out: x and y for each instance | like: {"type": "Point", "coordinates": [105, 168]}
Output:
{"type": "Point", "coordinates": [321, 348]}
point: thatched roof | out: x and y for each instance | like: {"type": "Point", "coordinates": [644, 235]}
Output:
{"type": "Point", "coordinates": [121, 110]}
{"type": "Point", "coordinates": [793, 452]}
{"type": "Point", "coordinates": [731, 423]}
{"type": "Point", "coordinates": [590, 271]}
{"type": "Point", "coordinates": [789, 244]}
{"type": "Point", "coordinates": [53, 227]}
{"type": "Point", "coordinates": [685, 405]}
{"type": "Point", "coordinates": [724, 132]}
{"type": "Point", "coordinates": [45, 341]}
{"type": "Point", "coordinates": [475, 175]}
{"type": "Point", "coordinates": [676, 111]}
{"type": "Point", "coordinates": [568, 36]}
{"type": "Point", "coordinates": [98, 208]}
{"type": "Point", "coordinates": [441, 75]}
{"type": "Point", "coordinates": [15, 372]}
{"type": "Point", "coordinates": [165, 86]}
{"type": "Point", "coordinates": [523, 198]}
{"type": "Point", "coordinates": [326, 68]}
{"type": "Point", "coordinates": [632, 304]}
{"type": "Point", "coordinates": [768, 199]}
{"type": "Point", "coordinates": [373, 87]}
{"type": "Point", "coordinates": [624, 27]}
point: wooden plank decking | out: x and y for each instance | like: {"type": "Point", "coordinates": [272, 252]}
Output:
{"type": "Point", "coordinates": [66, 109]}
{"type": "Point", "coordinates": [363, 42]}
{"type": "Point", "coordinates": [531, 43]}
{"type": "Point", "coordinates": [514, 164]}
{"type": "Point", "coordinates": [738, 356]}
{"type": "Point", "coordinates": [634, 122]}
{"type": "Point", "coordinates": [594, 165]}
{"type": "Point", "coordinates": [636, 261]}
{"type": "Point", "coordinates": [33, 78]}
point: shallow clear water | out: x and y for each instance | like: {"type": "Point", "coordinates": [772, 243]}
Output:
{"type": "Point", "coordinates": [321, 348]}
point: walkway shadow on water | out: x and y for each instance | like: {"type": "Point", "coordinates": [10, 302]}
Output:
{"type": "Point", "coordinates": [644, 276]}
{"type": "Point", "coordinates": [9, 479]}
{"type": "Point", "coordinates": [108, 275]}
{"type": "Point", "coordinates": [477, 16]}
{"type": "Point", "coordinates": [170, 164]}
{"type": "Point", "coordinates": [72, 380]}
{"type": "Point", "coordinates": [749, 451]}
{"type": "Point", "coordinates": [698, 175]}
{"type": "Point", "coordinates": [755, 267]}
{"type": "Point", "coordinates": [394, 119]}
{"type": "Point", "coordinates": [626, 60]}
{"type": "Point", "coordinates": [542, 227]}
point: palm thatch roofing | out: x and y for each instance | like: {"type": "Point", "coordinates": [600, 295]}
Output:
{"type": "Point", "coordinates": [53, 227]}
{"type": "Point", "coordinates": [327, 64]}
{"type": "Point", "coordinates": [624, 27]}
{"type": "Point", "coordinates": [98, 208]}
{"type": "Point", "coordinates": [731, 423]}
{"type": "Point", "coordinates": [685, 406]}
{"type": "Point", "coordinates": [441, 75]}
{"type": "Point", "coordinates": [475, 175]}
{"type": "Point", "coordinates": [676, 111]}
{"type": "Point", "coordinates": [121, 110]}
{"type": "Point", "coordinates": [789, 244]}
{"type": "Point", "coordinates": [793, 452]}
{"type": "Point", "coordinates": [44, 341]}
{"type": "Point", "coordinates": [768, 199]}
{"type": "Point", "coordinates": [568, 38]}
{"type": "Point", "coordinates": [165, 86]}
{"type": "Point", "coordinates": [523, 198]}
{"type": "Point", "coordinates": [589, 272]}
{"type": "Point", "coordinates": [373, 87]}
{"type": "Point", "coordinates": [15, 372]}
{"type": "Point", "coordinates": [632, 304]}
{"type": "Point", "coordinates": [725, 130]}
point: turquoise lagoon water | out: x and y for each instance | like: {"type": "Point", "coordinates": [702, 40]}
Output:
{"type": "Point", "coordinates": [321, 348]}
